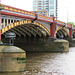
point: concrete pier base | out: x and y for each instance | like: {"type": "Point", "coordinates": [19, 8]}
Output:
{"type": "Point", "coordinates": [12, 59]}
{"type": "Point", "coordinates": [0, 42]}
{"type": "Point", "coordinates": [46, 44]}
{"type": "Point", "coordinates": [72, 42]}
{"type": "Point", "coordinates": [63, 44]}
{"type": "Point", "coordinates": [49, 44]}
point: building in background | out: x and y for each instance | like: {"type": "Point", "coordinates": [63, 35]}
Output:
{"type": "Point", "coordinates": [45, 7]}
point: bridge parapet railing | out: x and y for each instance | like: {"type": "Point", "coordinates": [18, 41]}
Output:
{"type": "Point", "coordinates": [73, 27]}
{"type": "Point", "coordinates": [45, 18]}
{"type": "Point", "coordinates": [26, 13]}
{"type": "Point", "coordinates": [68, 25]}
{"type": "Point", "coordinates": [13, 9]}
{"type": "Point", "coordinates": [60, 22]}
{"type": "Point", "coordinates": [17, 10]}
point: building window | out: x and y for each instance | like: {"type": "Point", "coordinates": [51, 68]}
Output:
{"type": "Point", "coordinates": [45, 5]}
{"type": "Point", "coordinates": [45, 0]}
{"type": "Point", "coordinates": [51, 1]}
{"type": "Point", "coordinates": [40, 0]}
{"type": "Point", "coordinates": [51, 13]}
{"type": "Point", "coordinates": [51, 7]}
{"type": "Point", "coordinates": [39, 8]}
{"type": "Point", "coordinates": [34, 3]}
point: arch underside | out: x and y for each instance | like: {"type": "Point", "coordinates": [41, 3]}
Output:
{"type": "Point", "coordinates": [62, 32]}
{"type": "Point", "coordinates": [26, 29]}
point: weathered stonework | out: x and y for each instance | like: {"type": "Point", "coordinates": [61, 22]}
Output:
{"type": "Point", "coordinates": [0, 42]}
{"type": "Point", "coordinates": [46, 44]}
{"type": "Point", "coordinates": [63, 44]}
{"type": "Point", "coordinates": [12, 59]}
{"type": "Point", "coordinates": [72, 42]}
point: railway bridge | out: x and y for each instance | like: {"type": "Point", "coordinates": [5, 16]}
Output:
{"type": "Point", "coordinates": [29, 26]}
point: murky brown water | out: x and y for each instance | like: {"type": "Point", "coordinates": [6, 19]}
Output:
{"type": "Point", "coordinates": [44, 63]}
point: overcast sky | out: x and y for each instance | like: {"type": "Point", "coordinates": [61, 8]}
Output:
{"type": "Point", "coordinates": [66, 8]}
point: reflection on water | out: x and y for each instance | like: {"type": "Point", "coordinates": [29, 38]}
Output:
{"type": "Point", "coordinates": [44, 63]}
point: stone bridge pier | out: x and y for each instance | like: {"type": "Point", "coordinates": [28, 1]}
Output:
{"type": "Point", "coordinates": [48, 44]}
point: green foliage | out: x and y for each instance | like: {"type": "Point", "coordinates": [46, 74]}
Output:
{"type": "Point", "coordinates": [1, 6]}
{"type": "Point", "coordinates": [71, 23]}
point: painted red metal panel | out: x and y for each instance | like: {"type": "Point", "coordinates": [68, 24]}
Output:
{"type": "Point", "coordinates": [6, 7]}
{"type": "Point", "coordinates": [52, 28]}
{"type": "Point", "coordinates": [68, 25]}
{"type": "Point", "coordinates": [0, 24]}
{"type": "Point", "coordinates": [16, 9]}
{"type": "Point", "coordinates": [23, 16]}
{"type": "Point", "coordinates": [60, 24]}
{"type": "Point", "coordinates": [70, 31]}
{"type": "Point", "coordinates": [16, 15]}
{"type": "Point", "coordinates": [44, 20]}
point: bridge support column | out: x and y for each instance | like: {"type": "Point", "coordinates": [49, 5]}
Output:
{"type": "Point", "coordinates": [0, 35]}
{"type": "Point", "coordinates": [12, 59]}
{"type": "Point", "coordinates": [7, 21]}
{"type": "Point", "coordinates": [4, 22]}
{"type": "Point", "coordinates": [52, 28]}
{"type": "Point", "coordinates": [10, 21]}
{"type": "Point", "coordinates": [13, 21]}
{"type": "Point", "coordinates": [70, 31]}
{"type": "Point", "coordinates": [0, 25]}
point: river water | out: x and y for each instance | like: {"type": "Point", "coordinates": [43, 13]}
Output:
{"type": "Point", "coordinates": [45, 63]}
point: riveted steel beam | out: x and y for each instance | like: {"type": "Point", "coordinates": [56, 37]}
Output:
{"type": "Point", "coordinates": [34, 30]}
{"type": "Point", "coordinates": [38, 29]}
{"type": "Point", "coordinates": [58, 34]}
{"type": "Point", "coordinates": [26, 28]}
{"type": "Point", "coordinates": [13, 30]}
{"type": "Point", "coordinates": [16, 28]}
{"type": "Point", "coordinates": [23, 30]}
{"type": "Point", "coordinates": [64, 32]}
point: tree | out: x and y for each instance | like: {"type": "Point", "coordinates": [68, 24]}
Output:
{"type": "Point", "coordinates": [71, 23]}
{"type": "Point", "coordinates": [1, 6]}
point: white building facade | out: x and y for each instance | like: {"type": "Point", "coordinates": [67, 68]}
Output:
{"type": "Point", "coordinates": [45, 7]}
